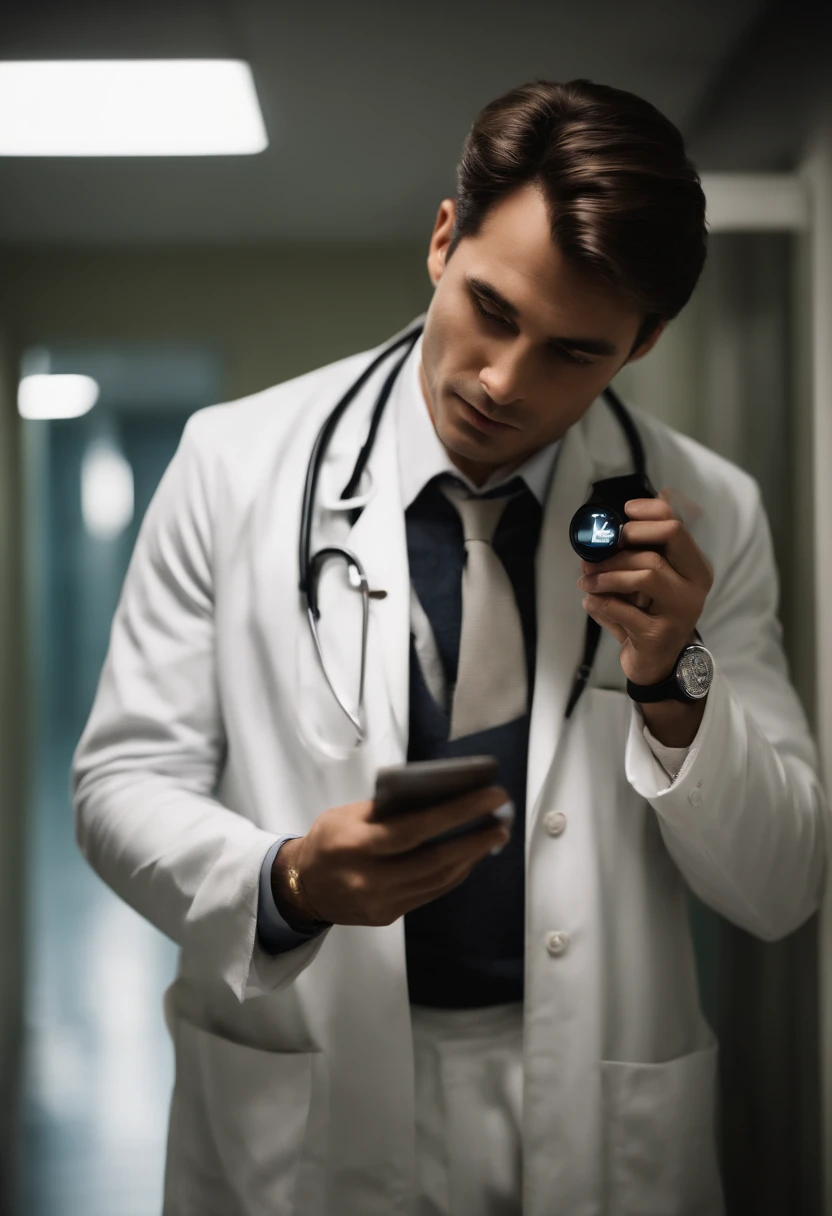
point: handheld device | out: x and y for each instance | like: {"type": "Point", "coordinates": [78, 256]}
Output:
{"type": "Point", "coordinates": [595, 530]}
{"type": "Point", "coordinates": [401, 788]}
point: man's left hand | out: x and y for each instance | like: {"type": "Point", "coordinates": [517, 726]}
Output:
{"type": "Point", "coordinates": [650, 594]}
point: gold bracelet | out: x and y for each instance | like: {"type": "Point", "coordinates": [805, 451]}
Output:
{"type": "Point", "coordinates": [293, 878]}
{"type": "Point", "coordinates": [295, 886]}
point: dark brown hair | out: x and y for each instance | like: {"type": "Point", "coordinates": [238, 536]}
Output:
{"type": "Point", "coordinates": [624, 200]}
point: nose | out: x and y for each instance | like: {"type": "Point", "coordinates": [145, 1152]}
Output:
{"type": "Point", "coordinates": [502, 378]}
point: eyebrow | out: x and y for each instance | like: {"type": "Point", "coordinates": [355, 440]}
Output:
{"type": "Point", "coordinates": [589, 346]}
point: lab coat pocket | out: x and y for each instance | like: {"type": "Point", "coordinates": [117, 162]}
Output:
{"type": "Point", "coordinates": [247, 1131]}
{"type": "Point", "coordinates": [660, 1122]}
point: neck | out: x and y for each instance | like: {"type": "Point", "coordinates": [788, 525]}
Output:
{"type": "Point", "coordinates": [479, 473]}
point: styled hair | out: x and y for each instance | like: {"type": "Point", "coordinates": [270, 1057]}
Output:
{"type": "Point", "coordinates": [624, 200]}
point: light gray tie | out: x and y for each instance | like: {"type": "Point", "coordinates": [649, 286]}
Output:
{"type": "Point", "coordinates": [491, 686]}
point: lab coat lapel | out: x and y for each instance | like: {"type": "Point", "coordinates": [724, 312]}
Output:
{"type": "Point", "coordinates": [379, 540]}
{"type": "Point", "coordinates": [561, 619]}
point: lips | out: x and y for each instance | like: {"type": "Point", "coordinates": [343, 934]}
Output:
{"type": "Point", "coordinates": [481, 417]}
{"type": "Point", "coordinates": [496, 421]}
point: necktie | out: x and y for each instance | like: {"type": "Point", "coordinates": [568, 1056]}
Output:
{"type": "Point", "coordinates": [491, 685]}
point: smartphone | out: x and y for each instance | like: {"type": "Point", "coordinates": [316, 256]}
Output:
{"type": "Point", "coordinates": [401, 788]}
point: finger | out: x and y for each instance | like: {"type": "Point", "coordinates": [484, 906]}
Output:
{"type": "Point", "coordinates": [660, 588]}
{"type": "Point", "coordinates": [621, 618]}
{"type": "Point", "coordinates": [645, 546]}
{"type": "Point", "coordinates": [435, 864]}
{"type": "Point", "coordinates": [676, 543]}
{"type": "Point", "coordinates": [649, 533]}
{"type": "Point", "coordinates": [649, 508]}
{"type": "Point", "coordinates": [424, 892]}
{"type": "Point", "coordinates": [617, 631]}
{"type": "Point", "coordinates": [418, 894]}
{"type": "Point", "coordinates": [627, 559]}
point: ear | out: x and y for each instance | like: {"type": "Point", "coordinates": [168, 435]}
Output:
{"type": "Point", "coordinates": [648, 344]}
{"type": "Point", "coordinates": [441, 239]}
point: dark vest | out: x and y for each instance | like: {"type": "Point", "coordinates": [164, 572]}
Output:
{"type": "Point", "coordinates": [465, 949]}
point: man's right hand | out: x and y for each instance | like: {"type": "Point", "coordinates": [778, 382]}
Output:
{"type": "Point", "coordinates": [354, 871]}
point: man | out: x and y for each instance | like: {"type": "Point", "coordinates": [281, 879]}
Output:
{"type": "Point", "coordinates": [366, 1023]}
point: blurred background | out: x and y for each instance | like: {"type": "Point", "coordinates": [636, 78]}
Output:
{"type": "Point", "coordinates": [173, 281]}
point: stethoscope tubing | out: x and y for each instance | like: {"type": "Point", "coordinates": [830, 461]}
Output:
{"type": "Point", "coordinates": [309, 566]}
{"type": "Point", "coordinates": [308, 586]}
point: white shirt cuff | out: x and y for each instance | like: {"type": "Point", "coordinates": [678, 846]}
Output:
{"type": "Point", "coordinates": [670, 758]}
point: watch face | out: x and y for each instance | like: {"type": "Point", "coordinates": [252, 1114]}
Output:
{"type": "Point", "coordinates": [695, 672]}
{"type": "Point", "coordinates": [595, 532]}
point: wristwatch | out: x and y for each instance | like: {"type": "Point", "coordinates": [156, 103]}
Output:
{"type": "Point", "coordinates": [690, 679]}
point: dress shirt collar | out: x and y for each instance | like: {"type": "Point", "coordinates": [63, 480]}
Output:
{"type": "Point", "coordinates": [422, 455]}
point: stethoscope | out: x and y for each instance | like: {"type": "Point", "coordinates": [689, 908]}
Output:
{"type": "Point", "coordinates": [310, 565]}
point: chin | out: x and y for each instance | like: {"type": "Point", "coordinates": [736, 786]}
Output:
{"type": "Point", "coordinates": [489, 456]}
{"type": "Point", "coordinates": [457, 439]}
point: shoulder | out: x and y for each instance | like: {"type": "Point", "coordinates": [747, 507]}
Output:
{"type": "Point", "coordinates": [246, 436]}
{"type": "Point", "coordinates": [263, 420]}
{"type": "Point", "coordinates": [683, 461]}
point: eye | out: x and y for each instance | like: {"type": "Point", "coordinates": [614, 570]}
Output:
{"type": "Point", "coordinates": [490, 316]}
{"type": "Point", "coordinates": [559, 352]}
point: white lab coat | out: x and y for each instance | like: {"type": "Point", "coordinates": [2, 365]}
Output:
{"type": "Point", "coordinates": [213, 732]}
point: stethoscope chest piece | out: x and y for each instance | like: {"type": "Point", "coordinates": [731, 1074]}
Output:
{"type": "Point", "coordinates": [595, 531]}
{"type": "Point", "coordinates": [596, 527]}
{"type": "Point", "coordinates": [310, 565]}
{"type": "Point", "coordinates": [357, 579]}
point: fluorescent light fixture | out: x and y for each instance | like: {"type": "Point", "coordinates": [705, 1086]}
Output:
{"type": "Point", "coordinates": [107, 496]}
{"type": "Point", "coordinates": [44, 397]}
{"type": "Point", "coordinates": [129, 107]}
{"type": "Point", "coordinates": [761, 201]}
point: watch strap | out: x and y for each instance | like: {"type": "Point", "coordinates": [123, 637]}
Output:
{"type": "Point", "coordinates": [665, 690]}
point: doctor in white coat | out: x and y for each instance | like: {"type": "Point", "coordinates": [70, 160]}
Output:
{"type": "Point", "coordinates": [576, 233]}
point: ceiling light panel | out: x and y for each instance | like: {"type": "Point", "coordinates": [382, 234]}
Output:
{"type": "Point", "coordinates": [131, 107]}
{"type": "Point", "coordinates": [67, 396]}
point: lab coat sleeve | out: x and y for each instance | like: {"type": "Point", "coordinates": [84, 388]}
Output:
{"type": "Point", "coordinates": [147, 765]}
{"type": "Point", "coordinates": [745, 818]}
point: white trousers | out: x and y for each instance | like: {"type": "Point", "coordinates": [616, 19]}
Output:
{"type": "Point", "coordinates": [469, 1102]}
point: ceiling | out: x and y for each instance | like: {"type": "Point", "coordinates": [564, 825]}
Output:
{"type": "Point", "coordinates": [366, 105]}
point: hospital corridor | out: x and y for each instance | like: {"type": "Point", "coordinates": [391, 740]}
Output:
{"type": "Point", "coordinates": [241, 205]}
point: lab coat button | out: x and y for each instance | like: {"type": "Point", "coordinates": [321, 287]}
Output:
{"type": "Point", "coordinates": [555, 822]}
{"type": "Point", "coordinates": [695, 797]}
{"type": "Point", "coordinates": [557, 943]}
